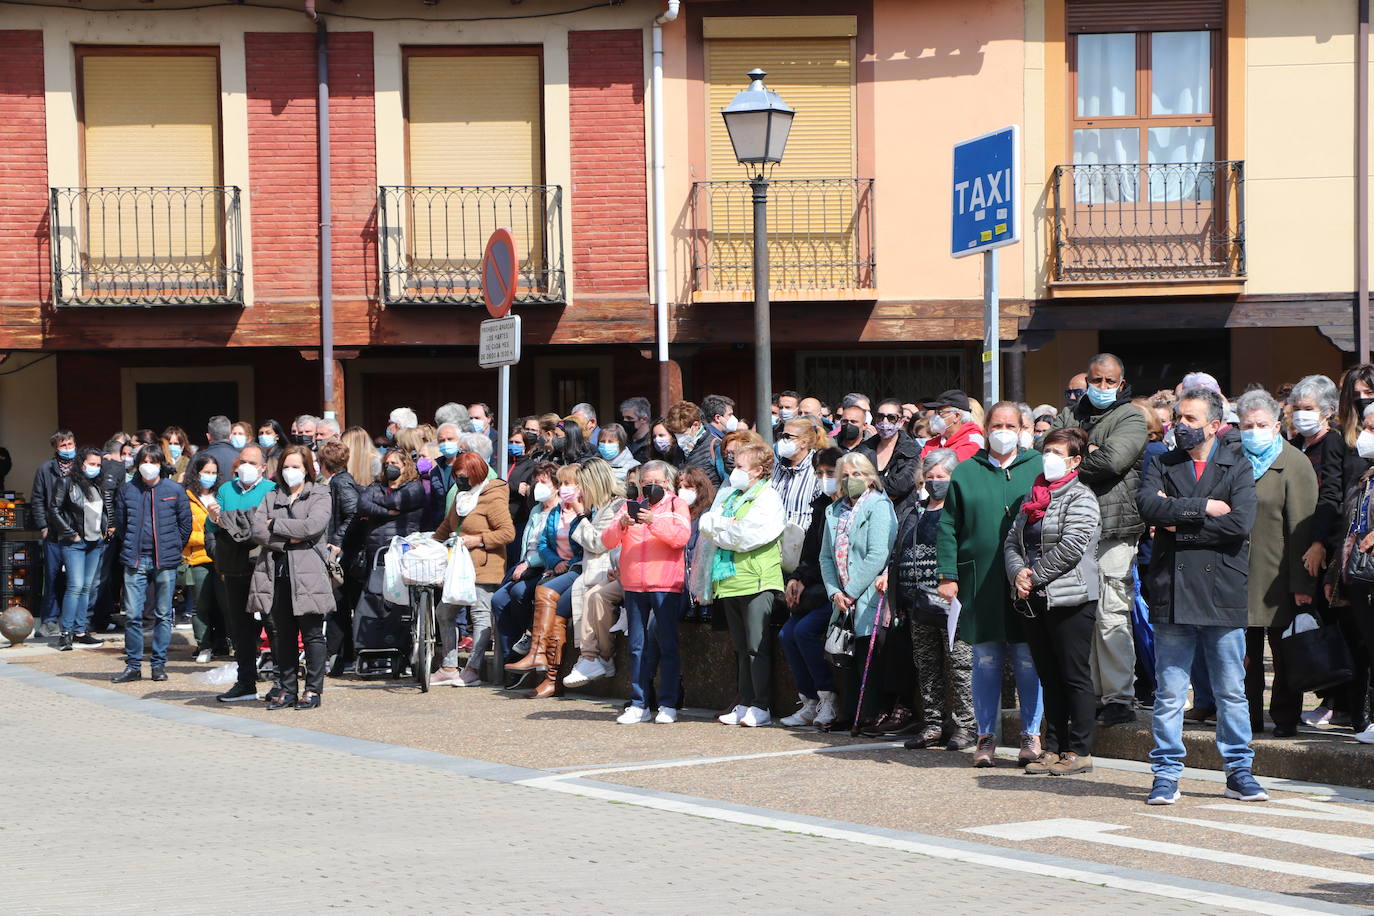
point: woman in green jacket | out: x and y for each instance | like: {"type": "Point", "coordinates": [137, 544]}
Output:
{"type": "Point", "coordinates": [860, 528]}
{"type": "Point", "coordinates": [745, 524]}
{"type": "Point", "coordinates": [979, 510]}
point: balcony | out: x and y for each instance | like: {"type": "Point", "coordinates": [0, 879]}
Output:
{"type": "Point", "coordinates": [432, 241]}
{"type": "Point", "coordinates": [146, 246]}
{"type": "Point", "coordinates": [820, 240]}
{"type": "Point", "coordinates": [1140, 223]}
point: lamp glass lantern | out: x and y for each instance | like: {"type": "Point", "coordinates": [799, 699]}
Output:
{"type": "Point", "coordinates": [758, 121]}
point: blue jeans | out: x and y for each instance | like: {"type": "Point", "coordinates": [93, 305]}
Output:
{"type": "Point", "coordinates": [512, 609]}
{"type": "Point", "coordinates": [988, 659]}
{"type": "Point", "coordinates": [82, 559]}
{"type": "Point", "coordinates": [136, 582]}
{"type": "Point", "coordinates": [652, 618]}
{"type": "Point", "coordinates": [1202, 683]}
{"type": "Point", "coordinates": [803, 642]}
{"type": "Point", "coordinates": [49, 608]}
{"type": "Point", "coordinates": [1224, 649]}
{"type": "Point", "coordinates": [563, 583]}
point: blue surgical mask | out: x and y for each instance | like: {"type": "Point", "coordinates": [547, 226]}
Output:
{"type": "Point", "coordinates": [267, 441]}
{"type": "Point", "coordinates": [515, 449]}
{"type": "Point", "coordinates": [91, 472]}
{"type": "Point", "coordinates": [448, 449]}
{"type": "Point", "coordinates": [390, 433]}
{"type": "Point", "coordinates": [1257, 441]}
{"type": "Point", "coordinates": [66, 454]}
{"type": "Point", "coordinates": [1102, 397]}
{"type": "Point", "coordinates": [476, 424]}
{"type": "Point", "coordinates": [608, 451]}
{"type": "Point", "coordinates": [238, 441]}
{"type": "Point", "coordinates": [208, 481]}
{"type": "Point", "coordinates": [174, 451]}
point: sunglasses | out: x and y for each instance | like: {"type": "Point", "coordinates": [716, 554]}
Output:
{"type": "Point", "coordinates": [892, 417]}
{"type": "Point", "coordinates": [1075, 392]}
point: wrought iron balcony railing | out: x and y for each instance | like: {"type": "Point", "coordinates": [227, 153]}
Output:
{"type": "Point", "coordinates": [820, 238]}
{"type": "Point", "coordinates": [1142, 222]}
{"type": "Point", "coordinates": [432, 240]}
{"type": "Point", "coordinates": [146, 246]}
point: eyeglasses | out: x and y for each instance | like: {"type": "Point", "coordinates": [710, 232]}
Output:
{"type": "Point", "coordinates": [893, 417]}
{"type": "Point", "coordinates": [1075, 392]}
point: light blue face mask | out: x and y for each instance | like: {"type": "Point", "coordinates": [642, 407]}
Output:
{"type": "Point", "coordinates": [208, 481]}
{"type": "Point", "coordinates": [174, 451]}
{"type": "Point", "coordinates": [267, 441]}
{"type": "Point", "coordinates": [608, 451]}
{"type": "Point", "coordinates": [1102, 397]}
{"type": "Point", "coordinates": [448, 449]}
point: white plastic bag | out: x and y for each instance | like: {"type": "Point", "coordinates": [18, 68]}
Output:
{"type": "Point", "coordinates": [1301, 624]}
{"type": "Point", "coordinates": [393, 587]}
{"type": "Point", "coordinates": [460, 580]}
{"type": "Point", "coordinates": [424, 563]}
{"type": "Point", "coordinates": [218, 677]}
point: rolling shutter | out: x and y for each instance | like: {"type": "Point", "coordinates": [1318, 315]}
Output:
{"type": "Point", "coordinates": [1134, 16]}
{"type": "Point", "coordinates": [474, 121]}
{"type": "Point", "coordinates": [152, 121]}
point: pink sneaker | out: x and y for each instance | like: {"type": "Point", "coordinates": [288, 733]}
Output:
{"type": "Point", "coordinates": [444, 677]}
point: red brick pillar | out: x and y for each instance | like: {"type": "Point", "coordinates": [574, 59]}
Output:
{"type": "Point", "coordinates": [24, 266]}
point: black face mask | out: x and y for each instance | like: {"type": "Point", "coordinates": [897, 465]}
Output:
{"type": "Point", "coordinates": [560, 444]}
{"type": "Point", "coordinates": [729, 461]}
{"type": "Point", "coordinates": [462, 484]}
{"type": "Point", "coordinates": [529, 439]}
{"type": "Point", "coordinates": [302, 439]}
{"type": "Point", "coordinates": [1361, 404]}
{"type": "Point", "coordinates": [652, 494]}
{"type": "Point", "coordinates": [391, 472]}
{"type": "Point", "coordinates": [850, 432]}
{"type": "Point", "coordinates": [631, 491]}
{"type": "Point", "coordinates": [1188, 437]}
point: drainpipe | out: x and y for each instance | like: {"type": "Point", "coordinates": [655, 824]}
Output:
{"type": "Point", "coordinates": [1362, 185]}
{"type": "Point", "coordinates": [326, 214]}
{"type": "Point", "coordinates": [661, 208]}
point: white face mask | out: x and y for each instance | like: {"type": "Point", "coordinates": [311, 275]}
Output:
{"type": "Point", "coordinates": [689, 496]}
{"type": "Point", "coordinates": [1027, 438]}
{"type": "Point", "coordinates": [922, 494]}
{"type": "Point", "coordinates": [938, 425]}
{"type": "Point", "coordinates": [829, 485]}
{"type": "Point", "coordinates": [787, 448]}
{"type": "Point", "coordinates": [1055, 467]}
{"type": "Point", "coordinates": [739, 479]}
{"type": "Point", "coordinates": [686, 440]}
{"type": "Point", "coordinates": [150, 472]}
{"type": "Point", "coordinates": [1003, 441]}
{"type": "Point", "coordinates": [1307, 422]}
{"type": "Point", "coordinates": [731, 423]}
{"type": "Point", "coordinates": [662, 443]}
{"type": "Point", "coordinates": [248, 474]}
{"type": "Point", "coordinates": [1364, 444]}
{"type": "Point", "coordinates": [293, 477]}
{"type": "Point", "coordinates": [542, 492]}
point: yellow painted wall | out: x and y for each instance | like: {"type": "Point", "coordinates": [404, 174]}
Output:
{"type": "Point", "coordinates": [28, 415]}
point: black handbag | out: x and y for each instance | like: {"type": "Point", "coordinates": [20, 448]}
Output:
{"type": "Point", "coordinates": [1316, 659]}
{"type": "Point", "coordinates": [1359, 566]}
{"type": "Point", "coordinates": [839, 641]}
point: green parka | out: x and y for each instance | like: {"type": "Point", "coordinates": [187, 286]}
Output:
{"type": "Point", "coordinates": [1112, 468]}
{"type": "Point", "coordinates": [978, 513]}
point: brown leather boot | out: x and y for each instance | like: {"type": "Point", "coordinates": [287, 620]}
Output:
{"type": "Point", "coordinates": [555, 637]}
{"type": "Point", "coordinates": [545, 610]}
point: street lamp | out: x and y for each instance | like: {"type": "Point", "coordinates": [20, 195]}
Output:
{"type": "Point", "coordinates": [758, 121]}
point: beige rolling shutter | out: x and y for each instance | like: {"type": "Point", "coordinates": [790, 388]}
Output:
{"type": "Point", "coordinates": [151, 122]}
{"type": "Point", "coordinates": [812, 224]}
{"type": "Point", "coordinates": [474, 121]}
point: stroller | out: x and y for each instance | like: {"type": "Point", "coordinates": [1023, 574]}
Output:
{"type": "Point", "coordinates": [381, 630]}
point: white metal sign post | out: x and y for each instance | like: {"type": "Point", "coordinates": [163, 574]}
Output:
{"type": "Point", "coordinates": [499, 338]}
{"type": "Point", "coordinates": [985, 215]}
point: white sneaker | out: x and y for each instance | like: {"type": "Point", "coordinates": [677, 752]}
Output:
{"type": "Point", "coordinates": [633, 716]}
{"type": "Point", "coordinates": [733, 717]}
{"type": "Point", "coordinates": [204, 656]}
{"type": "Point", "coordinates": [1366, 736]}
{"type": "Point", "coordinates": [1319, 716]}
{"type": "Point", "coordinates": [466, 678]}
{"type": "Point", "coordinates": [607, 668]}
{"type": "Point", "coordinates": [825, 708]}
{"type": "Point", "coordinates": [667, 715]}
{"type": "Point", "coordinates": [586, 669]}
{"type": "Point", "coordinates": [754, 717]}
{"type": "Point", "coordinates": [804, 716]}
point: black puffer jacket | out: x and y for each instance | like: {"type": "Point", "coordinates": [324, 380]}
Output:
{"type": "Point", "coordinates": [375, 506]}
{"type": "Point", "coordinates": [899, 477]}
{"type": "Point", "coordinates": [343, 500]}
{"type": "Point", "coordinates": [67, 515]}
{"type": "Point", "coordinates": [1112, 469]}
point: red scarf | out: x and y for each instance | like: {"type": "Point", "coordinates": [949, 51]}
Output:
{"type": "Point", "coordinates": [1039, 499]}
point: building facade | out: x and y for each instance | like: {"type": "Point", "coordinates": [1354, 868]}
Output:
{"type": "Point", "coordinates": [160, 199]}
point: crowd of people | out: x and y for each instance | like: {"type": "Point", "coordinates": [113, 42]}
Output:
{"type": "Point", "coordinates": [902, 554]}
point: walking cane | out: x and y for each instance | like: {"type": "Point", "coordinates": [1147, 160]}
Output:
{"type": "Point", "coordinates": [879, 623]}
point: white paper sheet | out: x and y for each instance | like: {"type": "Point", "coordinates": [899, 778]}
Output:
{"type": "Point", "coordinates": [952, 622]}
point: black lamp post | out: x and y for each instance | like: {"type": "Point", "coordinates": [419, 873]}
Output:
{"type": "Point", "coordinates": [758, 122]}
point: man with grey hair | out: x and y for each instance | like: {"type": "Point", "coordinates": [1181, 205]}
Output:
{"type": "Point", "coordinates": [1117, 434]}
{"type": "Point", "coordinates": [303, 430]}
{"type": "Point", "coordinates": [635, 416]}
{"type": "Point", "coordinates": [217, 434]}
{"type": "Point", "coordinates": [952, 426]}
{"type": "Point", "coordinates": [451, 412]}
{"type": "Point", "coordinates": [585, 415]}
{"type": "Point", "coordinates": [325, 430]}
{"type": "Point", "coordinates": [399, 419]}
{"type": "Point", "coordinates": [476, 442]}
{"type": "Point", "coordinates": [1201, 499]}
{"type": "Point", "coordinates": [480, 420]}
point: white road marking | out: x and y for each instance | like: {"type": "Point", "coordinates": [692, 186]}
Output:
{"type": "Point", "coordinates": [1328, 842]}
{"type": "Point", "coordinates": [1097, 832]}
{"type": "Point", "coordinates": [1321, 811]}
{"type": "Point", "coordinates": [991, 860]}
{"type": "Point", "coordinates": [704, 761]}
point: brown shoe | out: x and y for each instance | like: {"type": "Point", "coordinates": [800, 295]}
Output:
{"type": "Point", "coordinates": [960, 739]}
{"type": "Point", "coordinates": [1072, 764]}
{"type": "Point", "coordinates": [982, 754]}
{"type": "Point", "coordinates": [545, 610]}
{"type": "Point", "coordinates": [927, 737]}
{"type": "Point", "coordinates": [1200, 716]}
{"type": "Point", "coordinates": [1041, 765]}
{"type": "Point", "coordinates": [555, 637]}
{"type": "Point", "coordinates": [1030, 750]}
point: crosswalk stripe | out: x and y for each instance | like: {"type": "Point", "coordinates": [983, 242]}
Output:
{"type": "Point", "coordinates": [1321, 811]}
{"type": "Point", "coordinates": [1095, 832]}
{"type": "Point", "coordinates": [1328, 842]}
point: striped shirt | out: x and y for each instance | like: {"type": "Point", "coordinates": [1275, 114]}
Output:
{"type": "Point", "coordinates": [798, 486]}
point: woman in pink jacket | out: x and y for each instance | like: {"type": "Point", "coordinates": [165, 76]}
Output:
{"type": "Point", "coordinates": [651, 534]}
